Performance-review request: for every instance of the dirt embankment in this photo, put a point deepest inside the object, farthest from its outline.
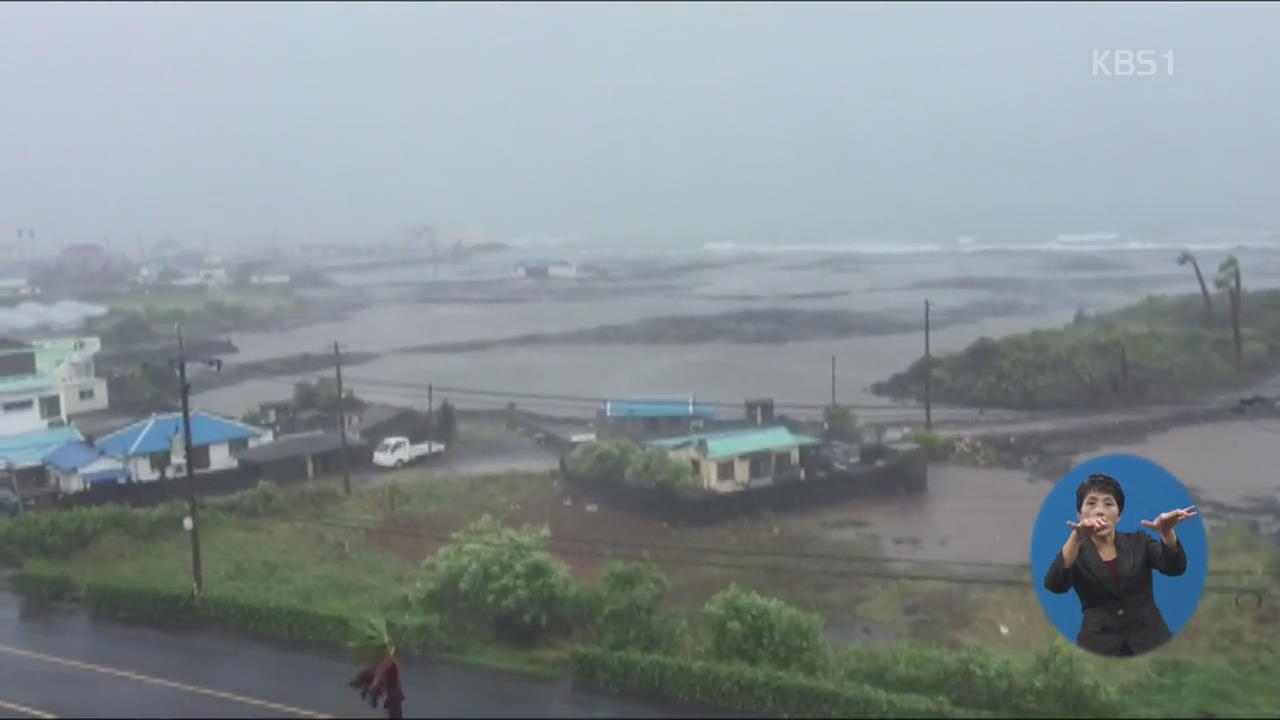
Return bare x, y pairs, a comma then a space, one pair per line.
764, 326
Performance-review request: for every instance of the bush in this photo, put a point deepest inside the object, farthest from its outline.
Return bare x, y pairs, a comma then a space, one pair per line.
757, 691
261, 500
501, 581
280, 621
43, 583
972, 678
842, 424
59, 533
748, 627
655, 468
631, 614
602, 461
934, 445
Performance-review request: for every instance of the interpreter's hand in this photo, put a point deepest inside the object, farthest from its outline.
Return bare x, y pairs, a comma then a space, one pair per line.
1089, 526
1167, 521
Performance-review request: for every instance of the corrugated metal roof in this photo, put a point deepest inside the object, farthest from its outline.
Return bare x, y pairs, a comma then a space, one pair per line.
30, 449
732, 443
156, 434
71, 456
685, 407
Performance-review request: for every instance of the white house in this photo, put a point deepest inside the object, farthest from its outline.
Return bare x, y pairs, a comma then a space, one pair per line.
152, 449
30, 400
69, 362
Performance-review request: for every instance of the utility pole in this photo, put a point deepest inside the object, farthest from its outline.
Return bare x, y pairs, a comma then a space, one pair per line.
833, 381
197, 573
928, 373
431, 406
342, 420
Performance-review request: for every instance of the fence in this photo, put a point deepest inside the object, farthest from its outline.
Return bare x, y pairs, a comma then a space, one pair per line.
902, 472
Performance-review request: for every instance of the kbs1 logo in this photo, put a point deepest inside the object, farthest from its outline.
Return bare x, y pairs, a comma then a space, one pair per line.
1132, 63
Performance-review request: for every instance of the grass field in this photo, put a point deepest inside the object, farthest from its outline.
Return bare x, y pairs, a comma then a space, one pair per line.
1223, 663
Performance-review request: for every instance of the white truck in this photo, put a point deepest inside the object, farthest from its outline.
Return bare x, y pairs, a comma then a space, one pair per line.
398, 451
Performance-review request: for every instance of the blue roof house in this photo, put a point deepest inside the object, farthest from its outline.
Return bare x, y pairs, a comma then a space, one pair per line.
653, 417
152, 449
77, 466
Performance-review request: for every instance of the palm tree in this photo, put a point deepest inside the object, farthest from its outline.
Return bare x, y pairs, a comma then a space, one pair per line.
1229, 280
1185, 258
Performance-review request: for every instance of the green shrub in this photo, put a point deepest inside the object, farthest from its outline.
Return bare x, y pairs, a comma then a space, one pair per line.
655, 468
631, 614
59, 533
602, 461
281, 621
748, 627
758, 691
43, 583
973, 678
261, 500
932, 443
502, 581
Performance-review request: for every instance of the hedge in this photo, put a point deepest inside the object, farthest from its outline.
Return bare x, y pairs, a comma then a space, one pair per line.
754, 690
973, 678
274, 620
41, 583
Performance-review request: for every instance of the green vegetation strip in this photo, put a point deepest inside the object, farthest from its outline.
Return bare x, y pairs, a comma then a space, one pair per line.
755, 690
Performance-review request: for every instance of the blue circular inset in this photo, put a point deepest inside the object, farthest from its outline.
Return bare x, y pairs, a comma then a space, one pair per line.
1149, 490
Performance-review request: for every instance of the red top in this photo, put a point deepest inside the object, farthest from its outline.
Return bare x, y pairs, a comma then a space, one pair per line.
1113, 567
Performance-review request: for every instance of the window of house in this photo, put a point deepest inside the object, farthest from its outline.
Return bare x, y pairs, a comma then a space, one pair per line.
724, 470
238, 445
160, 461
50, 407
17, 406
200, 457
759, 466
782, 461
697, 468
86, 394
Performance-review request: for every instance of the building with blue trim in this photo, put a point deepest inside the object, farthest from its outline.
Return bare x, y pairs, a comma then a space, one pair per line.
152, 449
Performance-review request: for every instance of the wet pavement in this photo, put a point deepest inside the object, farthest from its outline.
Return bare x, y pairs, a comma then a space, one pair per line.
57, 662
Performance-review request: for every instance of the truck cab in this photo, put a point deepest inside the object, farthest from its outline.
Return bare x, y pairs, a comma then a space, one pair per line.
398, 451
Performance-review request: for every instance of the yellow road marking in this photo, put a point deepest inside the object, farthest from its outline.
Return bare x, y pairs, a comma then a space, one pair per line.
25, 710
159, 681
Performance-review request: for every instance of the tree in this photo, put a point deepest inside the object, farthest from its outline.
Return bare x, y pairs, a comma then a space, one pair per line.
447, 424
500, 580
842, 423
747, 627
655, 468
1187, 258
1229, 280
631, 612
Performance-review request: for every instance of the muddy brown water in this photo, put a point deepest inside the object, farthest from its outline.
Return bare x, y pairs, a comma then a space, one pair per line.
986, 515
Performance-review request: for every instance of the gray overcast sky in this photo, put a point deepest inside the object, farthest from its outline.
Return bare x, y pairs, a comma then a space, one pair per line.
357, 120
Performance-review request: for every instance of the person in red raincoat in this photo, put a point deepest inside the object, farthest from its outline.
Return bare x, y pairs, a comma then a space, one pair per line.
381, 678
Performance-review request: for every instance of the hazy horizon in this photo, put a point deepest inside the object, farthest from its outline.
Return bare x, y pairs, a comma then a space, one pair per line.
331, 122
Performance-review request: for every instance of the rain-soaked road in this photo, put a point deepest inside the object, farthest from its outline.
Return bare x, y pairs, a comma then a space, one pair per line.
56, 662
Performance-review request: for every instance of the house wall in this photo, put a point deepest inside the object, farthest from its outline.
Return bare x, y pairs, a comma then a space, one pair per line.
27, 419
220, 459
94, 388
709, 469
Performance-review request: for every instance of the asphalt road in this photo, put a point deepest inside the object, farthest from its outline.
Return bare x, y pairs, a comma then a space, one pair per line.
57, 662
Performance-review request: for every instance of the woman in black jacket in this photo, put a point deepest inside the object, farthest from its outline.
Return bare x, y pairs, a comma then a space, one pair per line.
1111, 571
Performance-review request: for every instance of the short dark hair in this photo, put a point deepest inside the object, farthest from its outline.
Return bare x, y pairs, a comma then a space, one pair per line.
1099, 483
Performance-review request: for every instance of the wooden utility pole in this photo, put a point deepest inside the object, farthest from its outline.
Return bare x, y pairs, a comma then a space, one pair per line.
197, 572
928, 373
833, 381
342, 420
